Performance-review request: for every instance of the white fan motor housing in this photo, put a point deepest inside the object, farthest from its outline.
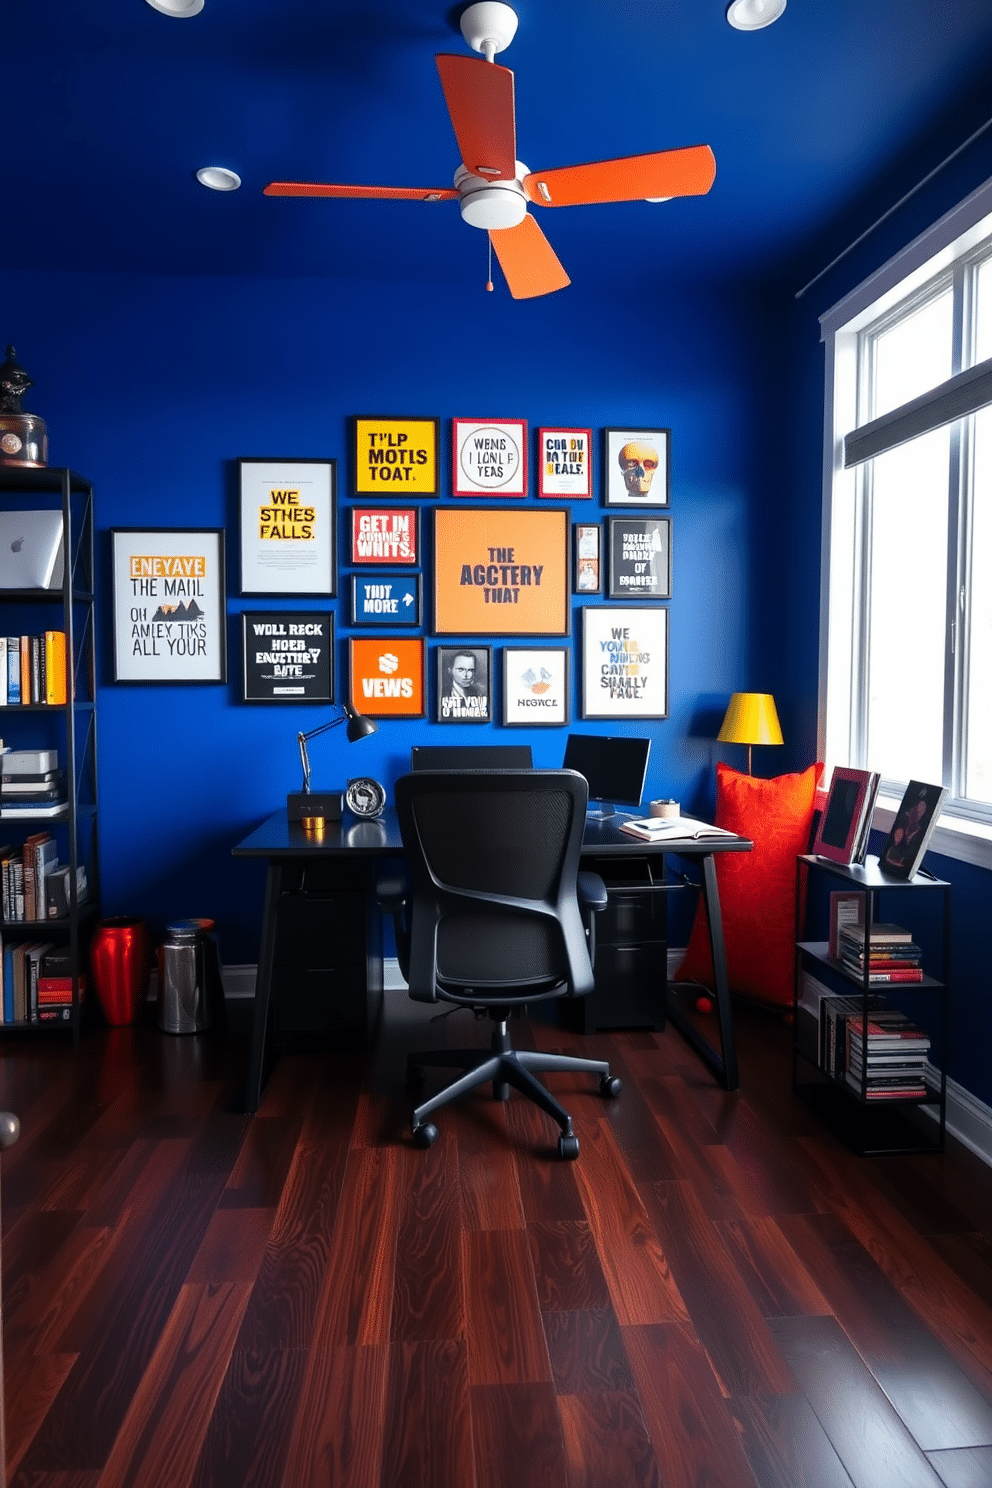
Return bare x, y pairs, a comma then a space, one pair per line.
489, 27
491, 204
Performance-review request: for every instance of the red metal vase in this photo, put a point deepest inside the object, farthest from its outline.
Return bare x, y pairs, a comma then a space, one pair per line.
119, 963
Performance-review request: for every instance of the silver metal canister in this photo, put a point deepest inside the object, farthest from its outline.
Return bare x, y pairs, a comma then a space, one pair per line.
188, 977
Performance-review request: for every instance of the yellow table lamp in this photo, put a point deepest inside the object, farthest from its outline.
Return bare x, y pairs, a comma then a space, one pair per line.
751, 719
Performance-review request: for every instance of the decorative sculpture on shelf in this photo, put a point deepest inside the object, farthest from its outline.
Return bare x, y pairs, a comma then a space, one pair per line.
23, 436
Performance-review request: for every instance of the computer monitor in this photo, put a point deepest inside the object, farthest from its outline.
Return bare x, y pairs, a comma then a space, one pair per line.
615, 768
471, 757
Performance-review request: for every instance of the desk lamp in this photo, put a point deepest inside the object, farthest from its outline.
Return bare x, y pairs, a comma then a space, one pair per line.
751, 719
313, 808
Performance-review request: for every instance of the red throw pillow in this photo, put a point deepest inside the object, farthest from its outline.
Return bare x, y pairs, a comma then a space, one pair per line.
757, 889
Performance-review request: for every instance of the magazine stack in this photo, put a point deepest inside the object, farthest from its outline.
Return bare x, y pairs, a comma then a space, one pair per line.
895, 1056
892, 954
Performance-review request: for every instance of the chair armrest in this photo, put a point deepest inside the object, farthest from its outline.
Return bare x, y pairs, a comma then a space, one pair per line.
592, 892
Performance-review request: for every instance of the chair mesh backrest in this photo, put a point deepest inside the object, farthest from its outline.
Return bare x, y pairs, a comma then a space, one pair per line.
493, 858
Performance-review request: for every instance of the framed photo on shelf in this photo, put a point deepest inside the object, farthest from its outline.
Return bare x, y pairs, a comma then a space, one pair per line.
464, 684
169, 604
489, 457
288, 656
386, 535
842, 834
912, 829
586, 546
387, 676
624, 662
386, 599
535, 686
564, 462
396, 457
288, 526
636, 466
640, 558
501, 572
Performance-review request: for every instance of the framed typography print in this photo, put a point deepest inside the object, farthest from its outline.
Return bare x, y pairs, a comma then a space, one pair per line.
287, 656
624, 662
385, 599
640, 558
385, 534
464, 684
288, 526
564, 462
387, 676
535, 686
168, 604
586, 540
636, 466
501, 572
489, 457
396, 457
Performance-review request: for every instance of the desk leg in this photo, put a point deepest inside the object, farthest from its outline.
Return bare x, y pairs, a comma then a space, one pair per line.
263, 989
724, 1063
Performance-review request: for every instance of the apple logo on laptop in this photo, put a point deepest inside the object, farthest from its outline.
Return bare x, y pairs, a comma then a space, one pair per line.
17, 545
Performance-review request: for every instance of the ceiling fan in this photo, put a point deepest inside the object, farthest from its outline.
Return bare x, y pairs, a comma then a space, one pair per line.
493, 188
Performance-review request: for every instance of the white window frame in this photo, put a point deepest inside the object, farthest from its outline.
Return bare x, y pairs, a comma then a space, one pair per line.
941, 251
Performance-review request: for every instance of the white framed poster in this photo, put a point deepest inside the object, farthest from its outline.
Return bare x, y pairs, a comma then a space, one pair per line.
535, 686
624, 662
489, 457
168, 604
636, 466
288, 526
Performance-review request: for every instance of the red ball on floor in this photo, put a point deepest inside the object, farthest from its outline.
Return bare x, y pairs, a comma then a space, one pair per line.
704, 1005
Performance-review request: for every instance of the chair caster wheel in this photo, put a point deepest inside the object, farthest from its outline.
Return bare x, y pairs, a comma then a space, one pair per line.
416, 1075
568, 1147
501, 1092
610, 1085
425, 1135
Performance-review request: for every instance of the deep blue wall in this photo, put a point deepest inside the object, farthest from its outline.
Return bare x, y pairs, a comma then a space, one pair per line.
152, 387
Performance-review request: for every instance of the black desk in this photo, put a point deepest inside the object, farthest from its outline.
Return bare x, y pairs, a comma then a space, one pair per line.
354, 846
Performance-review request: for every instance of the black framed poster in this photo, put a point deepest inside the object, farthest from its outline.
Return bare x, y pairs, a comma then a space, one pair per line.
640, 558
288, 656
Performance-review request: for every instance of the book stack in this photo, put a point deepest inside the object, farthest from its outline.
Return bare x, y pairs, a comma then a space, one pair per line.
31, 784
33, 668
894, 1053
36, 983
33, 884
892, 955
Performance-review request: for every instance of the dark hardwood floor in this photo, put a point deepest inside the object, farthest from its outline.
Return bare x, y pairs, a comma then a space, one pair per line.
717, 1293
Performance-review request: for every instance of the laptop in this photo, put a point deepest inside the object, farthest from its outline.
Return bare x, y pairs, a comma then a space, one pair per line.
31, 555
471, 757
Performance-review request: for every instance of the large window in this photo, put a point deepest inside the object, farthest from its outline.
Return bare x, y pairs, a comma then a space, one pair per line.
906, 655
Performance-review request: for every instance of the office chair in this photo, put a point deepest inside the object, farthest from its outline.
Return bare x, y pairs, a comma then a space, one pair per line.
496, 915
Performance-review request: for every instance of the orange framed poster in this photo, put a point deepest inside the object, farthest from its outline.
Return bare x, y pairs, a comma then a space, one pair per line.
387, 676
501, 572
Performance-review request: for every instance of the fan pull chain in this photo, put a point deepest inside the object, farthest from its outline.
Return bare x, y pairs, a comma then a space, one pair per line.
489, 282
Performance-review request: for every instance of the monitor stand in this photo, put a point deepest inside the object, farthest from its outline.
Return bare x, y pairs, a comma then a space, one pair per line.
601, 811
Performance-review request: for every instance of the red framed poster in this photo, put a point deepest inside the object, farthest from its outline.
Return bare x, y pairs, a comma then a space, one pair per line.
564, 462
385, 534
489, 457
387, 676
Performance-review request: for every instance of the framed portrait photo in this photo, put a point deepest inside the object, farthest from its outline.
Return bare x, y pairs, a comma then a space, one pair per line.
489, 457
912, 829
386, 535
586, 550
396, 457
287, 656
386, 599
535, 686
169, 605
387, 676
464, 684
624, 662
640, 558
636, 466
501, 572
288, 526
564, 462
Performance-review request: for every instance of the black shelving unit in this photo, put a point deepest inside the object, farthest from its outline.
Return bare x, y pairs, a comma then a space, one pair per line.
69, 727
872, 1128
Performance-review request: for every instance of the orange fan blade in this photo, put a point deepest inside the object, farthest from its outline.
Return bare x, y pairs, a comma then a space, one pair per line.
389, 193
528, 260
479, 95
688, 172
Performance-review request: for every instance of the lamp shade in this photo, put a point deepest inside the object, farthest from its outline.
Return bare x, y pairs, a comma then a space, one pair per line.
751, 719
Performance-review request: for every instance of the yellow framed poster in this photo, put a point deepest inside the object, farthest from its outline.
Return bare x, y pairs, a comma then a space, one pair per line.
396, 456
502, 572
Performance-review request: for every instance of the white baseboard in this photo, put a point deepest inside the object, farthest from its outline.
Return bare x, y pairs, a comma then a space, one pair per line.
968, 1118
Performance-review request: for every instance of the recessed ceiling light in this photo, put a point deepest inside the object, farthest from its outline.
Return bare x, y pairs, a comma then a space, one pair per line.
218, 178
753, 15
179, 9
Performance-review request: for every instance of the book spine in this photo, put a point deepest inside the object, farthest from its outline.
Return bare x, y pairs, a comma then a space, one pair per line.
25, 645
56, 690
13, 669
3, 671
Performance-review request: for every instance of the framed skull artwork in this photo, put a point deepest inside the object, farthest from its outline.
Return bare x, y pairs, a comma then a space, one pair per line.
636, 466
